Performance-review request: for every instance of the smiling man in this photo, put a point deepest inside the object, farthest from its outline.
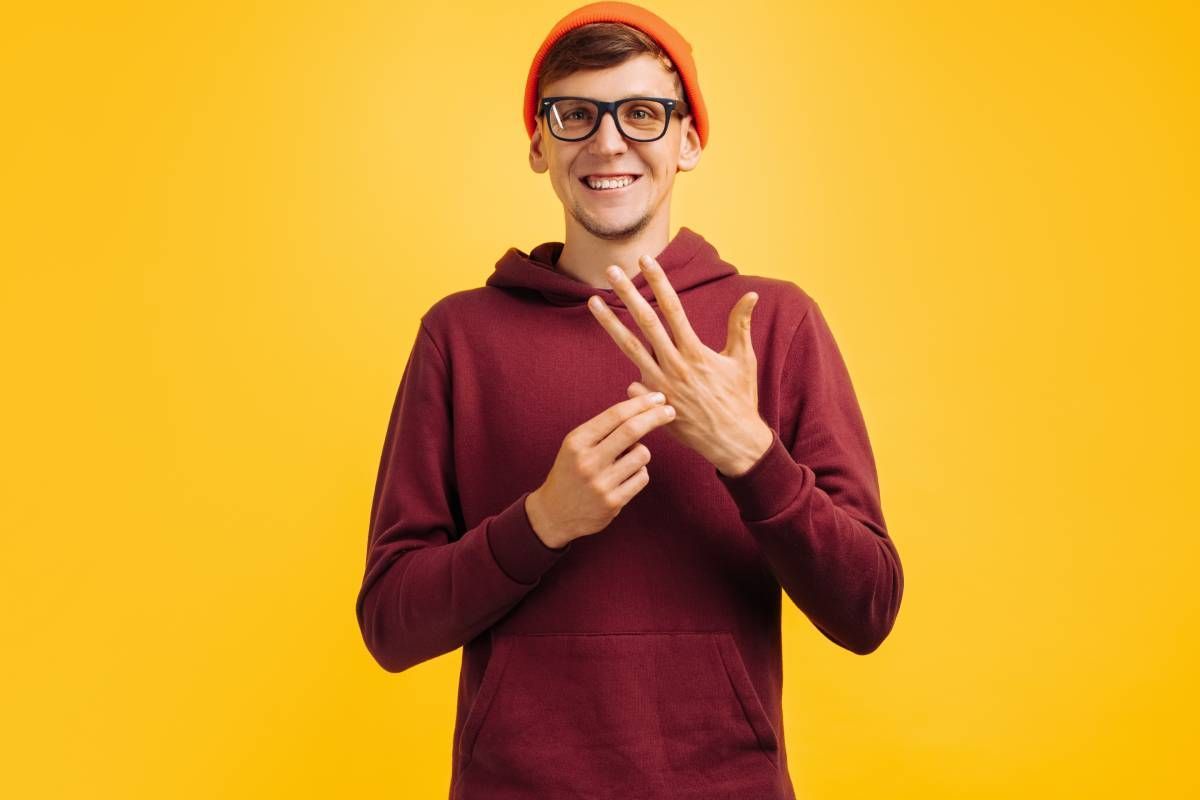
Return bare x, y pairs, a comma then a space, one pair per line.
613, 167
605, 467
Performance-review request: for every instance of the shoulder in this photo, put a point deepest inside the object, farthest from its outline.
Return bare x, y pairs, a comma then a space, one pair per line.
784, 301
452, 311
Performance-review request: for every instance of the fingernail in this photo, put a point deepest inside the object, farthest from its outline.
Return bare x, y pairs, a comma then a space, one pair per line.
669, 411
657, 397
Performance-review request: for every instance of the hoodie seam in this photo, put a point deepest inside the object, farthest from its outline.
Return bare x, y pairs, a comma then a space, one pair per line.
432, 341
796, 331
456, 512
785, 369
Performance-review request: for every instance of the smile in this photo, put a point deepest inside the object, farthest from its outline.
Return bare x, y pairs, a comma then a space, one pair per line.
610, 190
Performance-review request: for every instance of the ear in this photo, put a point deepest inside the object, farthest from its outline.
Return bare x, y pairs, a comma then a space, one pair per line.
538, 161
689, 145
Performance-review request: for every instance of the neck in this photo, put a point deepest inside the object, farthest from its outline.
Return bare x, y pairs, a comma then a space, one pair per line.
585, 256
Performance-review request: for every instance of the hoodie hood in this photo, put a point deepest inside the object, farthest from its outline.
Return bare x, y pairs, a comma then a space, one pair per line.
689, 260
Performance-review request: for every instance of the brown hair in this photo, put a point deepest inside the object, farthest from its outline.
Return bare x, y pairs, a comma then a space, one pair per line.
600, 45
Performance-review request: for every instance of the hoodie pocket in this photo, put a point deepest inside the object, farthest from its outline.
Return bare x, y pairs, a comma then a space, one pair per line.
619, 712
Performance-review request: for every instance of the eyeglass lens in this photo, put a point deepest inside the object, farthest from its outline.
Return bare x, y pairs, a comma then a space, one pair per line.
640, 120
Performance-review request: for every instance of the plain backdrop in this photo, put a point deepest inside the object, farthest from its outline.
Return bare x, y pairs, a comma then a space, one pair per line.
222, 222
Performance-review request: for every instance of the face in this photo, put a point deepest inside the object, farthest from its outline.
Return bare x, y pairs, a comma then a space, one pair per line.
616, 213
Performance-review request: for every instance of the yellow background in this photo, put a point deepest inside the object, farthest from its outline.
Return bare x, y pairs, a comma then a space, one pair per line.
223, 220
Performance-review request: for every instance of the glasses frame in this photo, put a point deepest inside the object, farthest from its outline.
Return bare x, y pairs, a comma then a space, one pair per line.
609, 107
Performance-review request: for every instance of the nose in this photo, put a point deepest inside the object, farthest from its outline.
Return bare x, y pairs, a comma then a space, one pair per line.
607, 139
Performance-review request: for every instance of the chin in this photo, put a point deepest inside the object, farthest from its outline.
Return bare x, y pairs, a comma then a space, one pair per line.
616, 227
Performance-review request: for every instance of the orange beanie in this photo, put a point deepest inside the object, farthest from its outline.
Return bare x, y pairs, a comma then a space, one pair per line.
676, 47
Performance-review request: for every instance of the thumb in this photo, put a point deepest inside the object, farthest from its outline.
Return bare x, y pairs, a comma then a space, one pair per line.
737, 341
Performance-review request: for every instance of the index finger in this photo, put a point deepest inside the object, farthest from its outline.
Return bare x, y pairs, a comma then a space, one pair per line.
686, 339
604, 423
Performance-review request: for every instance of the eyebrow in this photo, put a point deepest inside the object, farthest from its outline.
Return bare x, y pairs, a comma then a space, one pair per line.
635, 93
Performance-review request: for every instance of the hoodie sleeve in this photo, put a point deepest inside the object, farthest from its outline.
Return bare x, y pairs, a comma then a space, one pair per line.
429, 586
812, 503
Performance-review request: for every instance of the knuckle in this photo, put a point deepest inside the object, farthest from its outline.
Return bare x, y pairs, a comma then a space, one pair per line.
582, 467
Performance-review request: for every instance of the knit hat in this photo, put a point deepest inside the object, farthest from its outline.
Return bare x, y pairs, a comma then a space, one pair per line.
676, 47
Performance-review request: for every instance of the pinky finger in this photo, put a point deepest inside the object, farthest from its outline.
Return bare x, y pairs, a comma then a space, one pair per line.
632, 485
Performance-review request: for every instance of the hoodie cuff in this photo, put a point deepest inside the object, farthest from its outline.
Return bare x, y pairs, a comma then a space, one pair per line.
767, 487
516, 547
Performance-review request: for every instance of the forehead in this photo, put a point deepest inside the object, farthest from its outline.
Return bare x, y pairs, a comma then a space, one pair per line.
641, 76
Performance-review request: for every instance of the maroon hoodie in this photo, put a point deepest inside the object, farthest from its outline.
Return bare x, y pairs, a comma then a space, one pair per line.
642, 661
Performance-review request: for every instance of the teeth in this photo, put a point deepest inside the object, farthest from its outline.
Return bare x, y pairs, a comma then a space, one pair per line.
609, 183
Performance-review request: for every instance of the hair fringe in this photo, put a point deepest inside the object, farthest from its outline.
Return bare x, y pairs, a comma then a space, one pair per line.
600, 45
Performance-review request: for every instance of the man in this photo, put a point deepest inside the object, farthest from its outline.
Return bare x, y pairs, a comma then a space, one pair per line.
620, 616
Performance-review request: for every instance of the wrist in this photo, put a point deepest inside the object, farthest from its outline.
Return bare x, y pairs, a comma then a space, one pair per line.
537, 520
754, 446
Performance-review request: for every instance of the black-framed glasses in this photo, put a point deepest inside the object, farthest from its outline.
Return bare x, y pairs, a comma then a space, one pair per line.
642, 119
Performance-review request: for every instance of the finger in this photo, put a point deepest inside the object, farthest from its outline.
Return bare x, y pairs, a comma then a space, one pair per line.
624, 467
737, 340
638, 481
647, 319
686, 340
632, 430
601, 425
626, 339
636, 388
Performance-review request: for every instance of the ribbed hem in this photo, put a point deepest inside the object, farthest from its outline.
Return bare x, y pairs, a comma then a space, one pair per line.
516, 547
770, 485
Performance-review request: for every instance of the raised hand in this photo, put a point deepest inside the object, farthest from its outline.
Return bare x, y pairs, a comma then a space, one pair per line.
715, 395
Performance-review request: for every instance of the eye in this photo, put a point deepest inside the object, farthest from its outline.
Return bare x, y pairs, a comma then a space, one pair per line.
641, 112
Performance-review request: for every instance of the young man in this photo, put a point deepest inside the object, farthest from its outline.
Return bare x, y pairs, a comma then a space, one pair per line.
620, 616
